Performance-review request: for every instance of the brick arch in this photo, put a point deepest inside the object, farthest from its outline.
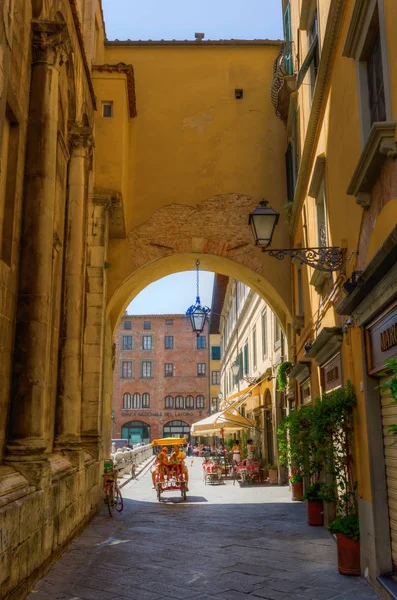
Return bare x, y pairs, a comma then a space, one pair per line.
216, 232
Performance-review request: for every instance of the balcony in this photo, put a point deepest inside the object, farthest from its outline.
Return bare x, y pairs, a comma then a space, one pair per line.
284, 81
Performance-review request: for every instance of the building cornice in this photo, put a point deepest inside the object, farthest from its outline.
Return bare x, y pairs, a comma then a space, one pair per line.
326, 345
193, 43
128, 70
76, 20
317, 110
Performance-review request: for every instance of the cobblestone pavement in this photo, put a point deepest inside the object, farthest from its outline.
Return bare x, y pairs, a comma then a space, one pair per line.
225, 543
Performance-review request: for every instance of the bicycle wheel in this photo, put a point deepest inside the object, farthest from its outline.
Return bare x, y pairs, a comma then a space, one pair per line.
109, 500
118, 500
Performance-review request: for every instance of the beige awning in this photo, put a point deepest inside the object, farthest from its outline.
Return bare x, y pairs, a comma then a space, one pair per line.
221, 420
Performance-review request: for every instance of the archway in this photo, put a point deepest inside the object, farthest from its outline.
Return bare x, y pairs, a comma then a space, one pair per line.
136, 432
176, 429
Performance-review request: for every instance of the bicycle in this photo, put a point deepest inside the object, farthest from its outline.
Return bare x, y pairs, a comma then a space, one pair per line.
113, 498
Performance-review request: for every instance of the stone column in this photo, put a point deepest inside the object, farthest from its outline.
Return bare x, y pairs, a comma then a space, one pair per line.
68, 409
100, 207
27, 432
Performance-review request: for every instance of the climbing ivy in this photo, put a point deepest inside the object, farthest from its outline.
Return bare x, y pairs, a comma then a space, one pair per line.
282, 379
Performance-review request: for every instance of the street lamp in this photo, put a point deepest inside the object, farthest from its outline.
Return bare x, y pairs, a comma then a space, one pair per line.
198, 314
263, 221
236, 368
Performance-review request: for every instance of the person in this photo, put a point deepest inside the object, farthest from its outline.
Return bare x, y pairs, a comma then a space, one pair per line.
180, 458
236, 452
127, 445
189, 449
251, 451
160, 465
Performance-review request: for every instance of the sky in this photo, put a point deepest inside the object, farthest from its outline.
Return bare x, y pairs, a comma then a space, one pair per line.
181, 19
173, 294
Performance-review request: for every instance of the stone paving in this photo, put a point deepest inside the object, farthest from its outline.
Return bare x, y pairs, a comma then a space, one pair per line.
227, 542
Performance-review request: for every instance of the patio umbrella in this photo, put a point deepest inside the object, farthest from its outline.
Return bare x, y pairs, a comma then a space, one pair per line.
221, 420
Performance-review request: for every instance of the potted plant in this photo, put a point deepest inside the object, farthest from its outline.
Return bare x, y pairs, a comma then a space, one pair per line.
296, 481
347, 531
315, 495
273, 474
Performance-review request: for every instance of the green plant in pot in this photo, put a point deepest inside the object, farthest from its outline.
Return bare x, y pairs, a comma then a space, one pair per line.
296, 482
273, 473
315, 494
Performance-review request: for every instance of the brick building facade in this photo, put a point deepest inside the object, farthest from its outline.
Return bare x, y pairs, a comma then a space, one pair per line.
161, 377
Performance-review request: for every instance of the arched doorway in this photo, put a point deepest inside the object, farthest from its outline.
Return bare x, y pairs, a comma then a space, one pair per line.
136, 432
176, 429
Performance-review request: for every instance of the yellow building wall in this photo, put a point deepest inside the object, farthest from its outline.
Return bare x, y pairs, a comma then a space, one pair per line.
215, 365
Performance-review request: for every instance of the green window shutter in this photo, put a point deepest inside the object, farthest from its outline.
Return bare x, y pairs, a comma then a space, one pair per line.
246, 366
307, 62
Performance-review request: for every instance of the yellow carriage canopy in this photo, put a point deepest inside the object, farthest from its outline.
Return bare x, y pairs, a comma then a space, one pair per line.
169, 442
221, 420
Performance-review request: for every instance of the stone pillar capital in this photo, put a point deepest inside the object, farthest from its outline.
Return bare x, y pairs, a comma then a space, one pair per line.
50, 43
80, 137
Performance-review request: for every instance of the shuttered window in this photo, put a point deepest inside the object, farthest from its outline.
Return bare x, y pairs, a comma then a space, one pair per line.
288, 55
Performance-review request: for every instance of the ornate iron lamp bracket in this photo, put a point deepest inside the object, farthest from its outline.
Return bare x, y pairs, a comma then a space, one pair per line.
328, 259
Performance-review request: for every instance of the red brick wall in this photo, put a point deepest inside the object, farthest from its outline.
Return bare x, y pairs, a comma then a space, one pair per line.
185, 356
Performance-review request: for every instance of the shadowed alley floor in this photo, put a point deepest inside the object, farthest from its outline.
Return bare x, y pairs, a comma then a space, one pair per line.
225, 543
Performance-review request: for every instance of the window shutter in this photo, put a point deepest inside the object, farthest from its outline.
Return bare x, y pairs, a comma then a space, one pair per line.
307, 62
288, 58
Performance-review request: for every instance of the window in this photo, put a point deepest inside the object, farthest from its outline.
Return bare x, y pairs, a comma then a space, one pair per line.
107, 110
216, 353
376, 88
136, 401
189, 402
146, 400
214, 404
127, 324
216, 378
313, 41
126, 369
264, 333
366, 42
127, 342
179, 402
169, 402
322, 234
246, 360
201, 342
168, 370
147, 342
169, 342
146, 369
200, 402
288, 56
312, 59
127, 401
169, 322
201, 369
147, 325
277, 332
254, 353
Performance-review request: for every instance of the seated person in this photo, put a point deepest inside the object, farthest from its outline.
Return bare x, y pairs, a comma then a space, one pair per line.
160, 465
180, 456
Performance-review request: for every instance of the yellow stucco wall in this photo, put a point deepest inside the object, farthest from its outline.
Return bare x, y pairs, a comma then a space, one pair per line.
192, 141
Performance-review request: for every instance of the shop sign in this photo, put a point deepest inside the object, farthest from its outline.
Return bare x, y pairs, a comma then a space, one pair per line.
381, 338
306, 392
331, 374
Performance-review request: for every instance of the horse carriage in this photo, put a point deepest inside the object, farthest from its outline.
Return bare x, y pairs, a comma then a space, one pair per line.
170, 475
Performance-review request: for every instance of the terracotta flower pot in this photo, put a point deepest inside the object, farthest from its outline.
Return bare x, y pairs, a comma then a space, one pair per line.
348, 555
315, 514
297, 491
273, 475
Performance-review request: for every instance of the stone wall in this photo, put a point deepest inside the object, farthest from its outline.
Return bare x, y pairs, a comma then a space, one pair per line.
51, 289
